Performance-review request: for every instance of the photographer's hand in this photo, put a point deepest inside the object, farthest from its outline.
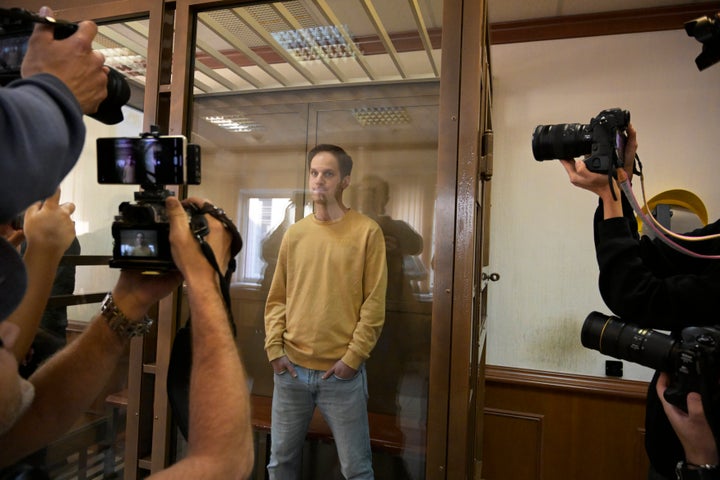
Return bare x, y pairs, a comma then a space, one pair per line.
186, 250
597, 183
72, 60
49, 231
692, 428
48, 227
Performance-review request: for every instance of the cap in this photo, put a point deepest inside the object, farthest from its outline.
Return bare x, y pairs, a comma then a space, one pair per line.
13, 279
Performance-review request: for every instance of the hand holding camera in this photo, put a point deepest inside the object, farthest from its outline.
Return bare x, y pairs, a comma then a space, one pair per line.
136, 292
72, 60
34, 44
692, 360
692, 426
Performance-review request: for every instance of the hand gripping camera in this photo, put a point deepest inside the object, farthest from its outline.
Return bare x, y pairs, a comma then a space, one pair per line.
141, 229
692, 360
16, 26
603, 139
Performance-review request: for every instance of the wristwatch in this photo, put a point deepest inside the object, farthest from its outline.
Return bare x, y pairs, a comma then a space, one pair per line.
689, 471
119, 323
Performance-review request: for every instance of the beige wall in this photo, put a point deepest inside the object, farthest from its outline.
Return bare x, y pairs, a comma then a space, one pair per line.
541, 241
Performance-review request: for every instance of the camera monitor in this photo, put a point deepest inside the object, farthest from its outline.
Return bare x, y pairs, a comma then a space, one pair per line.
12, 52
139, 243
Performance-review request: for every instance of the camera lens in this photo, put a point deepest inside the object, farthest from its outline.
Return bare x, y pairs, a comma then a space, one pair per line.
628, 342
565, 140
109, 111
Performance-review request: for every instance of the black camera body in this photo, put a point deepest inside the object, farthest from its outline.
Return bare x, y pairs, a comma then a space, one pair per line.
692, 360
603, 139
16, 26
706, 30
141, 229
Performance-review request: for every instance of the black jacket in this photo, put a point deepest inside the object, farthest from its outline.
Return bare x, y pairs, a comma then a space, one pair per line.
649, 284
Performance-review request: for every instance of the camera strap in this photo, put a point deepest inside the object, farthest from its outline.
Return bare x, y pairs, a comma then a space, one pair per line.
219, 215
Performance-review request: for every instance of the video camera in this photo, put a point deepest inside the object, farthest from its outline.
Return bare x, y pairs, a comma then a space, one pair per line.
16, 26
141, 229
706, 30
603, 139
692, 360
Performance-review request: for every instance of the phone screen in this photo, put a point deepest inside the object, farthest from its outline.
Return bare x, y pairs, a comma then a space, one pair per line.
141, 161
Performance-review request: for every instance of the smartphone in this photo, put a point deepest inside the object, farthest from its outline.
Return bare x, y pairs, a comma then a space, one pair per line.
141, 160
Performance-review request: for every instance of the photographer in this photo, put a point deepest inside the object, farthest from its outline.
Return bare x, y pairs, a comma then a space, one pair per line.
701, 452
651, 284
41, 114
220, 441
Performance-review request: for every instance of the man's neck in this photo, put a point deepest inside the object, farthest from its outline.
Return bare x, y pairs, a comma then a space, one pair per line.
330, 213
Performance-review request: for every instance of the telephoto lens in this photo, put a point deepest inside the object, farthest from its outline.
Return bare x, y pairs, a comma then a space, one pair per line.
626, 341
561, 141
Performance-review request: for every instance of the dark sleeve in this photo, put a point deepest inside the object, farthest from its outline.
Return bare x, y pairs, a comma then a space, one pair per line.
42, 134
648, 283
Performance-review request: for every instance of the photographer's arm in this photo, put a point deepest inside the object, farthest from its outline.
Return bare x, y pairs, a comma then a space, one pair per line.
49, 232
220, 443
68, 383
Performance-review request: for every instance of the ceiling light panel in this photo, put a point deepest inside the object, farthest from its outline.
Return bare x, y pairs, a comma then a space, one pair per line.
299, 43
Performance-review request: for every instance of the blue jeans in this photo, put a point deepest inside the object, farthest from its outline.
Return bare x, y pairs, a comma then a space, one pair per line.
343, 404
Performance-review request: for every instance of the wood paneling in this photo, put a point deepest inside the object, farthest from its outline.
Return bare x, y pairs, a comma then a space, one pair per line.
513, 456
551, 426
608, 23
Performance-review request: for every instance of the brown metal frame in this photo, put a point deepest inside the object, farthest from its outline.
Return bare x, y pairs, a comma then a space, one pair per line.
450, 445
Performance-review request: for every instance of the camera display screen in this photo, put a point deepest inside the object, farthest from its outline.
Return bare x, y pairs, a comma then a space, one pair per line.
12, 52
141, 161
138, 243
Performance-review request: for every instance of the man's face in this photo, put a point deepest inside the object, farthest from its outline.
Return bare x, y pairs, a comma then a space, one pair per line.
325, 183
16, 393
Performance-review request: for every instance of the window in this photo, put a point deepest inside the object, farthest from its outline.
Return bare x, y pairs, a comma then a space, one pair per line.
264, 218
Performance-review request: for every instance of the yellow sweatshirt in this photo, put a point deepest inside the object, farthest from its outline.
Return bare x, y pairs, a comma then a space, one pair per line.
327, 298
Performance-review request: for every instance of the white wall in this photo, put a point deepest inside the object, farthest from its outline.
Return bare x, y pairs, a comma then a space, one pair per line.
541, 240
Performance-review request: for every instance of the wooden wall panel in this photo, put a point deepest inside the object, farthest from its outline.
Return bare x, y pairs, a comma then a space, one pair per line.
564, 426
517, 455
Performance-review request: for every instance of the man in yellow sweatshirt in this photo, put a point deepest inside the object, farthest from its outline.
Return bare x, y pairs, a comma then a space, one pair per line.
324, 313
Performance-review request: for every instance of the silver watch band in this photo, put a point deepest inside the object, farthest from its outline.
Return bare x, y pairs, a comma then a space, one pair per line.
119, 323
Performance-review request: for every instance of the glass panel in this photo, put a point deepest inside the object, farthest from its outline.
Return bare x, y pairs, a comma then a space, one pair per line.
273, 80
